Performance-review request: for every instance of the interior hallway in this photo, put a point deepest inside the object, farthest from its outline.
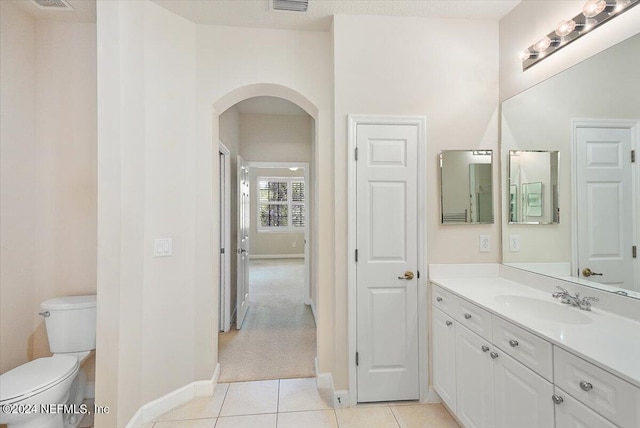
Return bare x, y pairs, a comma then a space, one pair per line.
278, 337
295, 403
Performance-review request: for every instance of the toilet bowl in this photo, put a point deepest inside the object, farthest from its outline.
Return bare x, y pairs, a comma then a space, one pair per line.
48, 392
29, 394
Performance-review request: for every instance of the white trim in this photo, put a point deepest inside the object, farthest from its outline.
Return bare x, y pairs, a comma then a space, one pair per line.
309, 302
423, 347
155, 408
634, 126
225, 295
308, 220
324, 383
276, 256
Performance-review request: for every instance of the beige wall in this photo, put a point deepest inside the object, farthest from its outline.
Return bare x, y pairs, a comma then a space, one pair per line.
155, 315
49, 146
446, 70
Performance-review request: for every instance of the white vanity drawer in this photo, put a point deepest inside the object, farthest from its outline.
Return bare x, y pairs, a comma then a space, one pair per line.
571, 414
474, 318
607, 394
443, 300
529, 349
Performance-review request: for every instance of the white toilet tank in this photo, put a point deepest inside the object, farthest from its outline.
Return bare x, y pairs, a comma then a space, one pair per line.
71, 323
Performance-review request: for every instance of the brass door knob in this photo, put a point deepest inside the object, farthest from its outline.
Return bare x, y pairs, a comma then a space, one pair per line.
588, 272
407, 275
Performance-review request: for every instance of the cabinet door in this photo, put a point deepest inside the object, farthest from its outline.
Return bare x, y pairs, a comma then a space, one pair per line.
444, 358
474, 380
570, 413
522, 398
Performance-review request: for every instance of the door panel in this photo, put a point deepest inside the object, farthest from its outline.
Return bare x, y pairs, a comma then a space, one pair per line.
243, 242
605, 205
387, 304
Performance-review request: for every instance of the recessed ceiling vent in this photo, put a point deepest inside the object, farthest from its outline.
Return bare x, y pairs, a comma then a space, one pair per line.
291, 5
53, 4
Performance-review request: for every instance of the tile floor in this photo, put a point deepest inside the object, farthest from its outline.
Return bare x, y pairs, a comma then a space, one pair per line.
295, 403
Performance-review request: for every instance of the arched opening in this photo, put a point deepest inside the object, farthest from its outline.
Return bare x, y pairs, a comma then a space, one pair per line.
267, 118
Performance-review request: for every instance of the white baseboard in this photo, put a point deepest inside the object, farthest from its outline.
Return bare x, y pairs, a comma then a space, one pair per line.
276, 256
309, 302
173, 399
432, 396
324, 382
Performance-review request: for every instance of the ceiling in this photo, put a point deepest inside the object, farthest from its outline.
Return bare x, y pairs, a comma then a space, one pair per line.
257, 13
269, 105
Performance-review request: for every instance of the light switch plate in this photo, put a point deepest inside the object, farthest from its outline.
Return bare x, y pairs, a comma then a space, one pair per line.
485, 244
162, 247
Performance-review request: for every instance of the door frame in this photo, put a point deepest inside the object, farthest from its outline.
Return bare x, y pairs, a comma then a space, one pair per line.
634, 126
225, 290
420, 122
305, 166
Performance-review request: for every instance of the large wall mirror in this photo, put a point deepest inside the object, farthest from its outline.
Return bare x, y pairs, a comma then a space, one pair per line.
586, 122
466, 187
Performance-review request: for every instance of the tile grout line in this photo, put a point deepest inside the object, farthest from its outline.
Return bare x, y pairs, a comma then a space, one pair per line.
223, 400
394, 416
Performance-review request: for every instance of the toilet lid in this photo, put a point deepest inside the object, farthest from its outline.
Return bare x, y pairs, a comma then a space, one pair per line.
35, 376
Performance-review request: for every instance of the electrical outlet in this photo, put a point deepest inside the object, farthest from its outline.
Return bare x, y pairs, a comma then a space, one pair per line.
514, 243
485, 245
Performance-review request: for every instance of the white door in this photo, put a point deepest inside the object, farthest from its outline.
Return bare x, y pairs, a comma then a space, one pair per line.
243, 242
605, 205
223, 251
522, 398
474, 380
444, 358
387, 248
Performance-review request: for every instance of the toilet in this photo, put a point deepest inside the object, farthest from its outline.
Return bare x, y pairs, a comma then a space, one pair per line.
29, 393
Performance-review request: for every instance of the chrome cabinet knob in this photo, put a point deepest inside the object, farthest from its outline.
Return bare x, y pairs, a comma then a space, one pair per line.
467, 316
485, 348
494, 355
513, 343
449, 323
585, 386
438, 299
557, 399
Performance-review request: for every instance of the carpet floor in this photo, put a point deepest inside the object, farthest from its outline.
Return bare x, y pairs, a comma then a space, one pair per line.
278, 337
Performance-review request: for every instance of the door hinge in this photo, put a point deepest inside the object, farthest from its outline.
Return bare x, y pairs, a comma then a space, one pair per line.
221, 250
356, 256
357, 359
356, 153
634, 252
633, 156
418, 274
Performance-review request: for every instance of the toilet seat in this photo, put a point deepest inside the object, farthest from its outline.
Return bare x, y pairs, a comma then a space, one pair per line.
36, 376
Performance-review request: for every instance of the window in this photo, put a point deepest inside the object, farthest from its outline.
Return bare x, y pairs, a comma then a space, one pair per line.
281, 204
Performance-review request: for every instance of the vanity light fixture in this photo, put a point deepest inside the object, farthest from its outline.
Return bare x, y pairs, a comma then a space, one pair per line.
594, 13
482, 152
293, 168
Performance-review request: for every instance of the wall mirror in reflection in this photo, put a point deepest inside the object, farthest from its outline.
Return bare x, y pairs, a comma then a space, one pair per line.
533, 187
466, 187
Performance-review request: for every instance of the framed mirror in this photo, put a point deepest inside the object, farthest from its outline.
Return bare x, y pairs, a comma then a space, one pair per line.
533, 187
591, 114
466, 187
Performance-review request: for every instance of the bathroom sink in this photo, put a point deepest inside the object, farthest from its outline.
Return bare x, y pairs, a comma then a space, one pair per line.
548, 310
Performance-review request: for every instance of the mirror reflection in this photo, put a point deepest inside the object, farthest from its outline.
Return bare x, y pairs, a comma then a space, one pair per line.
466, 187
591, 114
533, 187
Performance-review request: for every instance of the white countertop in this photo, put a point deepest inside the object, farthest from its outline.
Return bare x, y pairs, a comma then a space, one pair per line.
608, 340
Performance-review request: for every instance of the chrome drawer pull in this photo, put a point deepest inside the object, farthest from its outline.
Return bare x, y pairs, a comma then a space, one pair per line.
467, 316
557, 399
513, 343
494, 355
448, 323
485, 348
438, 299
586, 386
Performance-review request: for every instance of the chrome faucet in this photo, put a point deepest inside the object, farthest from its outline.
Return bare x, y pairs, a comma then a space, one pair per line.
575, 301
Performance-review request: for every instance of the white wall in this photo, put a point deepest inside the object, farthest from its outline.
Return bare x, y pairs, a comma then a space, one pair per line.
49, 158
444, 69
156, 316
18, 183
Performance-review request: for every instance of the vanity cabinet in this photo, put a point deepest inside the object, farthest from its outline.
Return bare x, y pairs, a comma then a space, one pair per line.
444, 358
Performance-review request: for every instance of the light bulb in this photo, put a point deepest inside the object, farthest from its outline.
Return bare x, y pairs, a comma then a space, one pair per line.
566, 27
621, 4
525, 54
593, 8
542, 44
